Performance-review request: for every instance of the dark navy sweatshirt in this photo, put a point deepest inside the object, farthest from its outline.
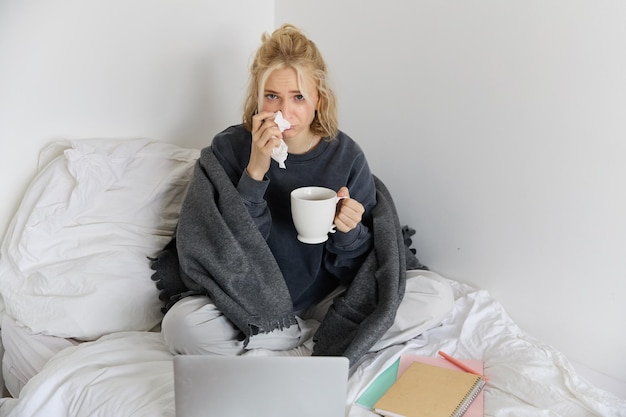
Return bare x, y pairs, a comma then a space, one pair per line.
310, 271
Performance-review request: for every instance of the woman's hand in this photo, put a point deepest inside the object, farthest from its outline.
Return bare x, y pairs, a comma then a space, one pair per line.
265, 137
349, 211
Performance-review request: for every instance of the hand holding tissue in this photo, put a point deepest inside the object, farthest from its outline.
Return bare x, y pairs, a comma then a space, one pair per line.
279, 154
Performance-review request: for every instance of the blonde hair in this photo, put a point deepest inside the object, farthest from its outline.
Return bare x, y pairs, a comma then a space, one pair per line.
288, 47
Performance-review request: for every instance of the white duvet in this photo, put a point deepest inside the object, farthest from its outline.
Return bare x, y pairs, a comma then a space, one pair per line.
74, 260
130, 373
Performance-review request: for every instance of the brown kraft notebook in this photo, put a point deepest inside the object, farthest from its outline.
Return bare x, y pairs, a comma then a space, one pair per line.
430, 391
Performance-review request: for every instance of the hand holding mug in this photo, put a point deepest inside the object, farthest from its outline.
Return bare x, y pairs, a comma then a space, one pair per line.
349, 211
317, 211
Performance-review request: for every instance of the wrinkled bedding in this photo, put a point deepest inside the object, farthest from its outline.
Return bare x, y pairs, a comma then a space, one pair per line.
131, 374
79, 240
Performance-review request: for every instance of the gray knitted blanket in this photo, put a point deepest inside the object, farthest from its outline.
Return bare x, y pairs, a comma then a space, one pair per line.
218, 251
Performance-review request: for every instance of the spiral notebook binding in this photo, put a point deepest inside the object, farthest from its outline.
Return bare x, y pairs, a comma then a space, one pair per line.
464, 405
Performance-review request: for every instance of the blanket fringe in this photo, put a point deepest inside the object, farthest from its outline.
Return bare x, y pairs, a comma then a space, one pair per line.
265, 325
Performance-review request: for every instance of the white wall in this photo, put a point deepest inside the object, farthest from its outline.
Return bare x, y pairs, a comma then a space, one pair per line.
170, 70
500, 127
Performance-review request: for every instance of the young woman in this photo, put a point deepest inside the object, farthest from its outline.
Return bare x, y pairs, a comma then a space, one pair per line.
269, 290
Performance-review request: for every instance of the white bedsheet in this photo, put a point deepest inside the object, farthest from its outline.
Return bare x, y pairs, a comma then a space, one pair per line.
130, 373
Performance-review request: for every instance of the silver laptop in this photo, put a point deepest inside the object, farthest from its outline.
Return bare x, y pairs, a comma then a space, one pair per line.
259, 386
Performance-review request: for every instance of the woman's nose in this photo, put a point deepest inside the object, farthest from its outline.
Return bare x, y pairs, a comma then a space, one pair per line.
285, 108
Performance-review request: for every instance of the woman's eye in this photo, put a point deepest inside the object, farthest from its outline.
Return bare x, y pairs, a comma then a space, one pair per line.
271, 96
299, 97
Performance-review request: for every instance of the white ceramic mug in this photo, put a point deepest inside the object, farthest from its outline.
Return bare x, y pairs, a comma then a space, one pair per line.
313, 212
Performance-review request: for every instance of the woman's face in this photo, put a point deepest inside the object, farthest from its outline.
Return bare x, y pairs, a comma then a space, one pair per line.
283, 93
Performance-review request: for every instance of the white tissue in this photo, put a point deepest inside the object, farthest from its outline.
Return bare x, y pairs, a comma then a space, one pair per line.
281, 122
279, 154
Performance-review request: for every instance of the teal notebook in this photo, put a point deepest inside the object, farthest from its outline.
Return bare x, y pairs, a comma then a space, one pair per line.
379, 386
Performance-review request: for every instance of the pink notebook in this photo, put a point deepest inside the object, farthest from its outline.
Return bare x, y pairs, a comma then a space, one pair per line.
477, 407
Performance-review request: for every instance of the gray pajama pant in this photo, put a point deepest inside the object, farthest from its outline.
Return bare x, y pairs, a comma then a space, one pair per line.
194, 325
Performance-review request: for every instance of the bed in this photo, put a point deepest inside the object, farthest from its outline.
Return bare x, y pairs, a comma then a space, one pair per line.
80, 324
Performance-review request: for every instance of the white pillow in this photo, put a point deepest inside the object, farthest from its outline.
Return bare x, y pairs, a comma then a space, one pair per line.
74, 261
